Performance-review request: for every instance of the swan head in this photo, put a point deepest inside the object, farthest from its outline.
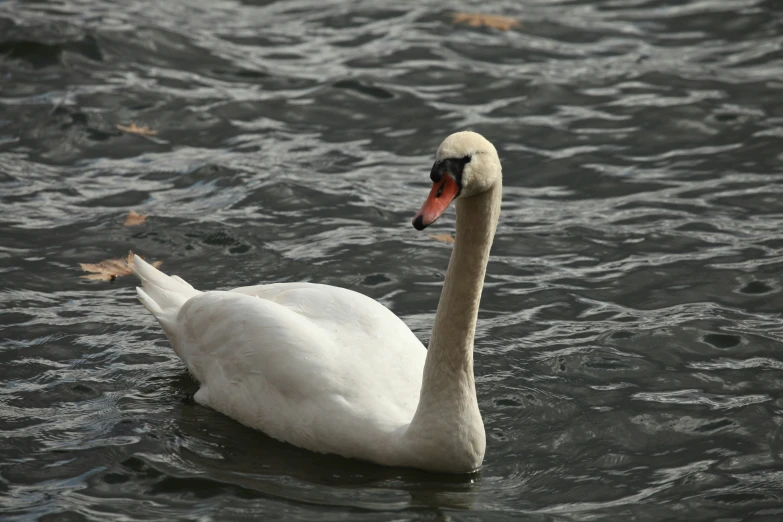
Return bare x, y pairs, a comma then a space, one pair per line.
466, 165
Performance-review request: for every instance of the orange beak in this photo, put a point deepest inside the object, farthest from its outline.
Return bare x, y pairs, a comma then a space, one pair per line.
443, 192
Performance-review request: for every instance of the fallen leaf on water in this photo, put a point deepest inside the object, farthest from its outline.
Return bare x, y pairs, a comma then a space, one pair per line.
110, 269
138, 131
134, 219
443, 238
503, 23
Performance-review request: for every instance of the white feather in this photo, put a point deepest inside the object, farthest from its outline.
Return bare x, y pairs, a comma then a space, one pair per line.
334, 371
321, 367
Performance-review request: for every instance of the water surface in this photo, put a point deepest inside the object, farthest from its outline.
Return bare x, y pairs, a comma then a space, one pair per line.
628, 353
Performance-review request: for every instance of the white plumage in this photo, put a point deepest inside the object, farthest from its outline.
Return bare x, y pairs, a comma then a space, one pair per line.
318, 366
334, 371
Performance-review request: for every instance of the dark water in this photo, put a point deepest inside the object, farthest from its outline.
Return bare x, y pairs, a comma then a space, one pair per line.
630, 347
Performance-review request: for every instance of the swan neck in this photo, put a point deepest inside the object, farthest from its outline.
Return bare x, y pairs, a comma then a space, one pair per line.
455, 320
448, 407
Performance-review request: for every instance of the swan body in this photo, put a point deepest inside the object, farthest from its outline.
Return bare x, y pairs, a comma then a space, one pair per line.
334, 371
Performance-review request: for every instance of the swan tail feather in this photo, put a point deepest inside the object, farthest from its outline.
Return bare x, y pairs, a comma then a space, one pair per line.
161, 294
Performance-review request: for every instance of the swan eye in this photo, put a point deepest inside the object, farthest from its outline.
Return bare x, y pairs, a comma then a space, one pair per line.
452, 166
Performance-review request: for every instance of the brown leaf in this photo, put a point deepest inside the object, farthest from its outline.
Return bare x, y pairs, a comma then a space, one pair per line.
443, 238
503, 23
110, 269
138, 131
134, 219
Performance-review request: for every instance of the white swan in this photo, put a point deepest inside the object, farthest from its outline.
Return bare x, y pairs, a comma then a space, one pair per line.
334, 371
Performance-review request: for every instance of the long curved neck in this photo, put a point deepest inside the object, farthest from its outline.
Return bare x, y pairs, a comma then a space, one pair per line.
450, 354
447, 404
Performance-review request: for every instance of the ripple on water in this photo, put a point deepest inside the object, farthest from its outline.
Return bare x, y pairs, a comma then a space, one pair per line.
628, 348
